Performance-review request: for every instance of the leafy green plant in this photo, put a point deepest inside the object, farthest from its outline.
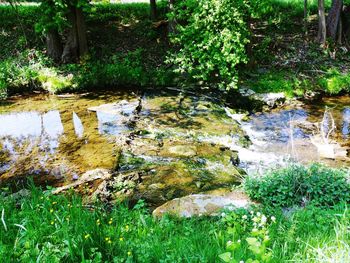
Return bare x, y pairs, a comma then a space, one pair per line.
250, 236
299, 185
212, 38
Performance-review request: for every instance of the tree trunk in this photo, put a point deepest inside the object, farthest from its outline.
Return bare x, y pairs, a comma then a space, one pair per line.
76, 43
346, 23
305, 17
70, 51
54, 45
334, 19
81, 30
153, 6
172, 22
322, 31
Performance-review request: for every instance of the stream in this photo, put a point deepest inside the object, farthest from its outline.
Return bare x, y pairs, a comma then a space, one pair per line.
159, 147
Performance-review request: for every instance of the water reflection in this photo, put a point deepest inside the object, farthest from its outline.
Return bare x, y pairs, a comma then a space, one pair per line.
278, 126
110, 124
346, 122
37, 140
78, 125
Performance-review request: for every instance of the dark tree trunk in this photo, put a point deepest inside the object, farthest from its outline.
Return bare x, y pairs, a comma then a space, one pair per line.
346, 22
70, 51
322, 30
153, 6
54, 45
334, 20
76, 43
81, 30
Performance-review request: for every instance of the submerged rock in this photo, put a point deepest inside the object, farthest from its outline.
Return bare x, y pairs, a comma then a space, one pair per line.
123, 107
183, 150
202, 204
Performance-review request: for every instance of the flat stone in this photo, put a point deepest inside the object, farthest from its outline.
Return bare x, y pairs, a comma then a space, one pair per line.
202, 204
125, 108
183, 150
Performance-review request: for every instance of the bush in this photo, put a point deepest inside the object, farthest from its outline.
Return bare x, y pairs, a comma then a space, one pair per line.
212, 38
298, 185
31, 70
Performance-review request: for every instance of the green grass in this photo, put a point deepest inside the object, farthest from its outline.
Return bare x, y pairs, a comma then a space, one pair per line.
59, 228
62, 229
277, 81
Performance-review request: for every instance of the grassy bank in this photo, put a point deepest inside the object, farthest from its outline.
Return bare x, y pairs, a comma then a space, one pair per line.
127, 49
288, 57
38, 226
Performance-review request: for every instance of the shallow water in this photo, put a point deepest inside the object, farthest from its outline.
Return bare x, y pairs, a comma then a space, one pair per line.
285, 134
58, 138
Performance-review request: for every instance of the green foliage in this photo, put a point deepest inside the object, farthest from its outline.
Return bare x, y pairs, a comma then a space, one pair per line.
34, 71
122, 70
57, 228
297, 185
31, 70
277, 81
138, 63
312, 234
62, 229
105, 12
334, 82
250, 236
212, 38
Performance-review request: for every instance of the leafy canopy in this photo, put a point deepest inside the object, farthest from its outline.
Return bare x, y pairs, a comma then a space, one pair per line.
212, 36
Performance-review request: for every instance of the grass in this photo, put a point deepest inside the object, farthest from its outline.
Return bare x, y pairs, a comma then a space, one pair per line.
314, 235
61, 228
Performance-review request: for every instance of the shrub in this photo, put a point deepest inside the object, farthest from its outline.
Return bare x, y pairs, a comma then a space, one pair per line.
250, 238
212, 38
298, 185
